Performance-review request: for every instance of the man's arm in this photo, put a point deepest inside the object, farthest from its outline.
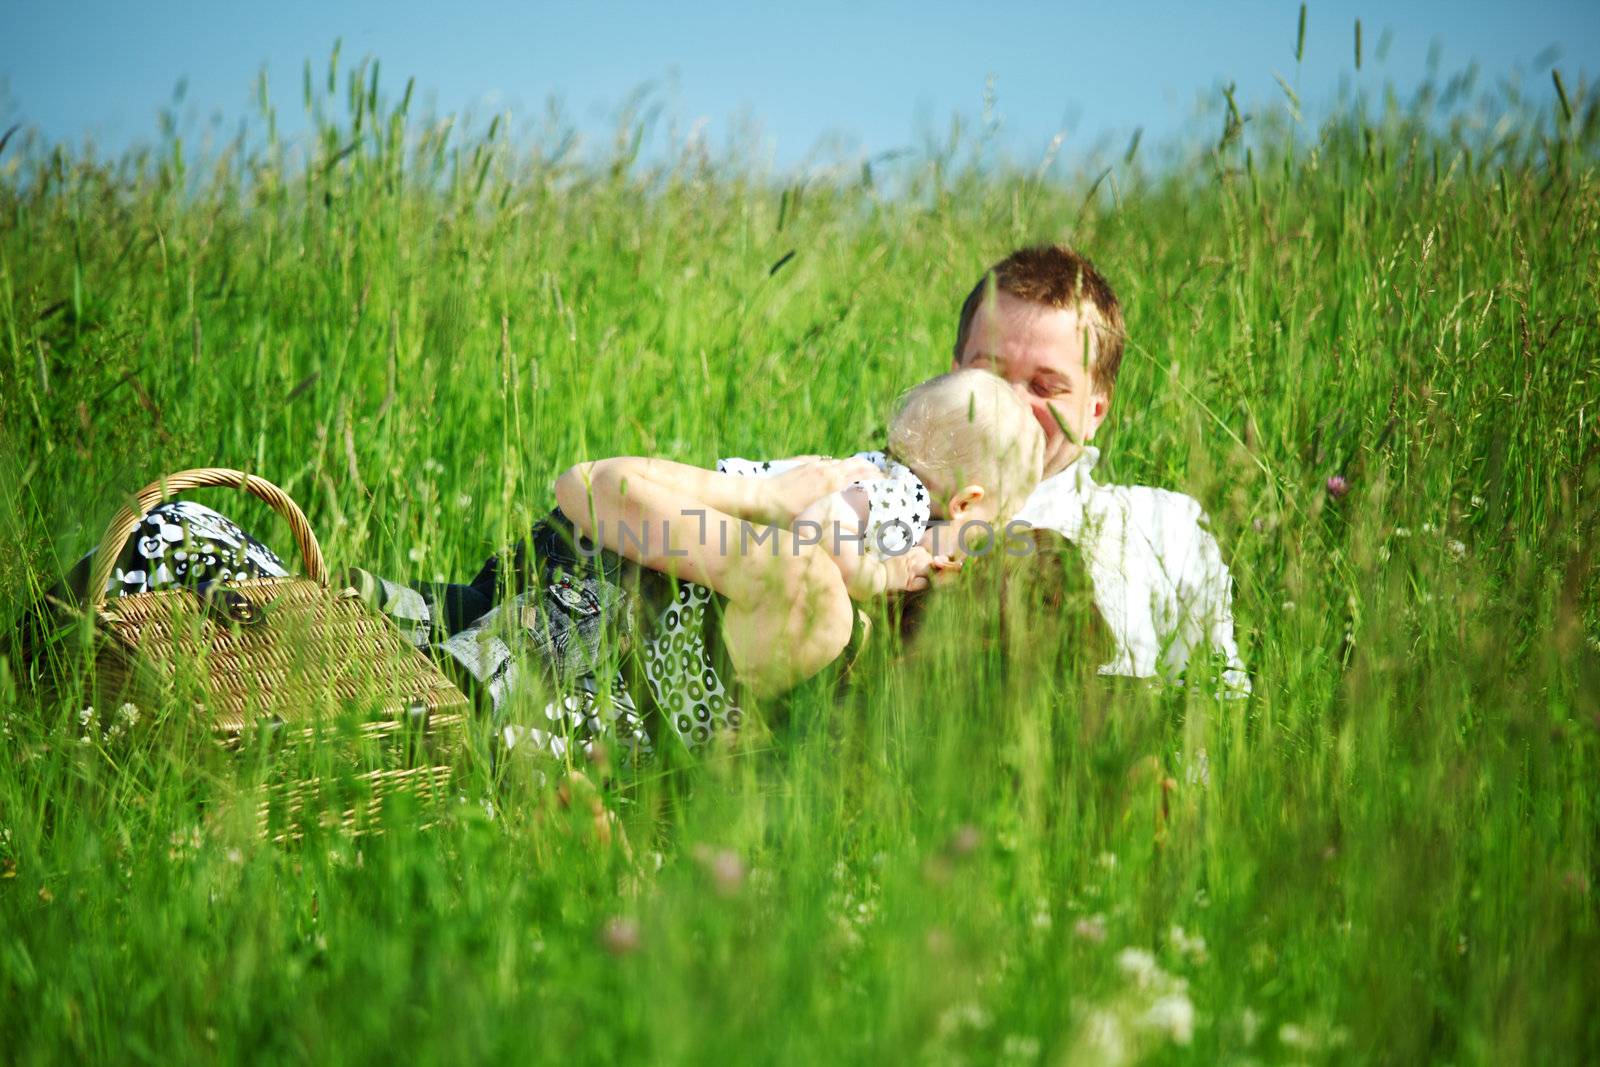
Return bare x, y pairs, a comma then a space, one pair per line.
1205, 589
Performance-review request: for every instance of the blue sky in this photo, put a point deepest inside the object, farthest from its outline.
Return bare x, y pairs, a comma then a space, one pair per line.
818, 80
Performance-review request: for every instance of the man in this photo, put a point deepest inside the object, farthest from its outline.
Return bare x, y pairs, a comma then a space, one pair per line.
1046, 321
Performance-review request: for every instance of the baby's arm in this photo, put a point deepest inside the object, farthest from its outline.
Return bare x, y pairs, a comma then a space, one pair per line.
841, 521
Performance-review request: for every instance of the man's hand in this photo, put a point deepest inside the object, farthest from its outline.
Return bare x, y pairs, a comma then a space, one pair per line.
786, 495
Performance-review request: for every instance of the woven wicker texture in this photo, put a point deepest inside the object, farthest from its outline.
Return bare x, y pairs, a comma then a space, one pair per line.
290, 807
309, 652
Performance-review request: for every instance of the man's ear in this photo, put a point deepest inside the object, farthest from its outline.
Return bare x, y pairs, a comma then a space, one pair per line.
964, 500
1099, 407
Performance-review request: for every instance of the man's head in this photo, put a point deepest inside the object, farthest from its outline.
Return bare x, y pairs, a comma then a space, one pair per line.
1046, 321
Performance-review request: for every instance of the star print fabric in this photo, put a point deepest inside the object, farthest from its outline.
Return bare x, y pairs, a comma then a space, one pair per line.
899, 505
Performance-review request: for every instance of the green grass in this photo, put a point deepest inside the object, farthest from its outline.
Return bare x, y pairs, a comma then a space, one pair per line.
413, 328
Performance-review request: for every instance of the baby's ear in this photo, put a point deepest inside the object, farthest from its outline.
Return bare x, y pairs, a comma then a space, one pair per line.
965, 499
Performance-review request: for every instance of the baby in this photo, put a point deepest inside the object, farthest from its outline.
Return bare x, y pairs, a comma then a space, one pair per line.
963, 449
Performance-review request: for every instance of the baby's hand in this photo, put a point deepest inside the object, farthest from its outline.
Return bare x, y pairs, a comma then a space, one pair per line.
903, 573
907, 572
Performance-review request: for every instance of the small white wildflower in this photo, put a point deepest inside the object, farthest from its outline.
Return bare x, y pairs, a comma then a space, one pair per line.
1457, 549
1185, 944
1477, 501
1296, 1037
1103, 1039
1020, 1047
966, 1016
1139, 965
432, 466
1172, 1015
129, 714
116, 731
235, 856
1427, 527
1402, 532
86, 716
463, 501
417, 553
1107, 860
1288, 607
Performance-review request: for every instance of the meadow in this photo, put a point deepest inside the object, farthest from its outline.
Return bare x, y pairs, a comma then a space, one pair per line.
1369, 345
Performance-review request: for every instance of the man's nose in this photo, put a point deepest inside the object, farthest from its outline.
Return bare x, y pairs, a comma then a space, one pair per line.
1047, 420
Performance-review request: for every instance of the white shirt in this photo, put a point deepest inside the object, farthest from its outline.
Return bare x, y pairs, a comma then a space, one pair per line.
1158, 575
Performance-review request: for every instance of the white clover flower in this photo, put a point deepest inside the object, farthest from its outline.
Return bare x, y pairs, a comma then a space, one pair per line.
1103, 1038
128, 714
1139, 965
1185, 944
1457, 549
1173, 1016
86, 716
1297, 1037
1020, 1047
965, 1016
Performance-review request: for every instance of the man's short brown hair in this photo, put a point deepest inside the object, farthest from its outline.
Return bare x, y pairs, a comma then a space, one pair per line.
1056, 277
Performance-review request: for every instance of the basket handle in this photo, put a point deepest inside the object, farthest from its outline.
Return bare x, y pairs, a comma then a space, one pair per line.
127, 521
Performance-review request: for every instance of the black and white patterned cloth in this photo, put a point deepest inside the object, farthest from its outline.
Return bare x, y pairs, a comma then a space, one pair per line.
899, 505
181, 543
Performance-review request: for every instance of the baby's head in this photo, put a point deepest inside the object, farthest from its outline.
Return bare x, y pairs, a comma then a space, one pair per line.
973, 442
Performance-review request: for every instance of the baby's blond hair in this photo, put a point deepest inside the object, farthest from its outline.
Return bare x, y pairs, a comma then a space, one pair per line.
969, 428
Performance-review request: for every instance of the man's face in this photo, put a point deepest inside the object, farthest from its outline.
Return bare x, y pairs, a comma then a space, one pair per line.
1041, 352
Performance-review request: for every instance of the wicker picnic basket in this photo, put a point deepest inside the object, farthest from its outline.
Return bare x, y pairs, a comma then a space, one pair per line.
289, 659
